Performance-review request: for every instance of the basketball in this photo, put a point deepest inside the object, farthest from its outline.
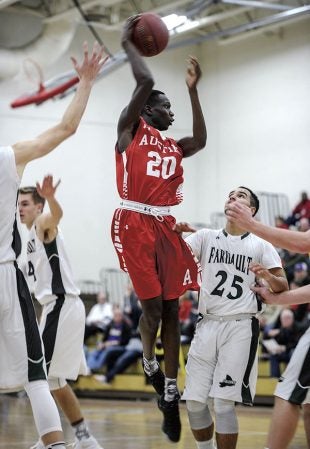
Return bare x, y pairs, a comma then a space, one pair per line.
150, 34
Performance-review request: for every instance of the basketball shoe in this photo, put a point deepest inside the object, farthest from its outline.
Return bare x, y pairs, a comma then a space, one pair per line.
157, 380
171, 424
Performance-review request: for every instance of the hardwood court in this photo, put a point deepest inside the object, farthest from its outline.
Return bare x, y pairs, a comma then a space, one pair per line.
119, 424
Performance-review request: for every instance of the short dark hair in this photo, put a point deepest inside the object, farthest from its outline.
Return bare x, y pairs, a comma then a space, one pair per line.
37, 199
254, 201
152, 99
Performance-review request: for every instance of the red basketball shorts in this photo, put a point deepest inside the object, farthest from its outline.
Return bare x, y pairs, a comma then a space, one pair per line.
157, 259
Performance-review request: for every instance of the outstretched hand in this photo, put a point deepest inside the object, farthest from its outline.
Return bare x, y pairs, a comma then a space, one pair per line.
193, 74
266, 295
47, 190
91, 65
240, 214
183, 227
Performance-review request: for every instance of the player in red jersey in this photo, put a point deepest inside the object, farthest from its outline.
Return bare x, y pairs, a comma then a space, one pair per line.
149, 181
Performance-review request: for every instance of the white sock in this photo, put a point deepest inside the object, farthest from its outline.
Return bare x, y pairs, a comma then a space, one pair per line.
81, 430
205, 444
150, 365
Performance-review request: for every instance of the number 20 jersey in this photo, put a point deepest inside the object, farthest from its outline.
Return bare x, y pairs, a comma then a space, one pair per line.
150, 170
226, 278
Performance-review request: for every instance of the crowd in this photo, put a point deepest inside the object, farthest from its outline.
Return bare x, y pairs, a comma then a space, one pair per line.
112, 340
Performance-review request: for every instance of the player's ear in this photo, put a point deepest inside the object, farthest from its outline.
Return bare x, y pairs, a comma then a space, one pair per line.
147, 109
253, 210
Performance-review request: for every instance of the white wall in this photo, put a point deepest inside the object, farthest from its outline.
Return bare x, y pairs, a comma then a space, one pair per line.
257, 99
255, 95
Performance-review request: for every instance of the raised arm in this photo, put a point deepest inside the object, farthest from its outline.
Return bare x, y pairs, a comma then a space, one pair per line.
197, 141
40, 146
129, 117
46, 224
281, 238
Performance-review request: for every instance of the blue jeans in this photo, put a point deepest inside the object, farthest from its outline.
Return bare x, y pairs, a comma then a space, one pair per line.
276, 359
100, 357
125, 359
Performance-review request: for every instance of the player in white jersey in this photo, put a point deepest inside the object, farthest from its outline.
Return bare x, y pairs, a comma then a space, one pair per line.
62, 323
293, 389
21, 356
222, 360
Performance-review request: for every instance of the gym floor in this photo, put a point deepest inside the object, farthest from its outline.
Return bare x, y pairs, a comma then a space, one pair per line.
119, 424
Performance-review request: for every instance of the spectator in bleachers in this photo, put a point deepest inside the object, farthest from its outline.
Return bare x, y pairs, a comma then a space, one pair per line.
280, 222
301, 278
263, 323
266, 321
99, 317
301, 210
284, 334
302, 314
304, 224
301, 275
289, 260
132, 306
188, 313
117, 335
124, 356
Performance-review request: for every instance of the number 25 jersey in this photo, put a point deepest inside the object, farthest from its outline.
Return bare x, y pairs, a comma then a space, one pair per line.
226, 277
149, 171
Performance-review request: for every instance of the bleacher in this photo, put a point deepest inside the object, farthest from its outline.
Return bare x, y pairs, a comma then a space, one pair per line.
133, 383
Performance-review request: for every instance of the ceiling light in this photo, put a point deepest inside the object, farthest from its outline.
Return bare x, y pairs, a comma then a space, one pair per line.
173, 21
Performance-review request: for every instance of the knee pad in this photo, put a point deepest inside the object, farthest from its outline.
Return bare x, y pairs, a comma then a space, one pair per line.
55, 383
44, 409
225, 416
199, 415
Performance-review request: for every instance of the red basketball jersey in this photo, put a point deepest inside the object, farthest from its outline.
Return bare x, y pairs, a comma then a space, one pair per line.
149, 171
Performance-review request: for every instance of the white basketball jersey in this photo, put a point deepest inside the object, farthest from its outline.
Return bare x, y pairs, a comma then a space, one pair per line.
226, 278
48, 263
10, 243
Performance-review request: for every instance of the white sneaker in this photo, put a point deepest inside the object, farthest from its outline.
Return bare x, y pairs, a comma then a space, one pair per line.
38, 445
101, 378
89, 443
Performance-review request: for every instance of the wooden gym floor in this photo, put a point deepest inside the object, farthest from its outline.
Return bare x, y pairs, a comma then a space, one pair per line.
119, 424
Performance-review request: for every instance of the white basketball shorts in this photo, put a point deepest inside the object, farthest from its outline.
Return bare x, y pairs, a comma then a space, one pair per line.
62, 327
222, 361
